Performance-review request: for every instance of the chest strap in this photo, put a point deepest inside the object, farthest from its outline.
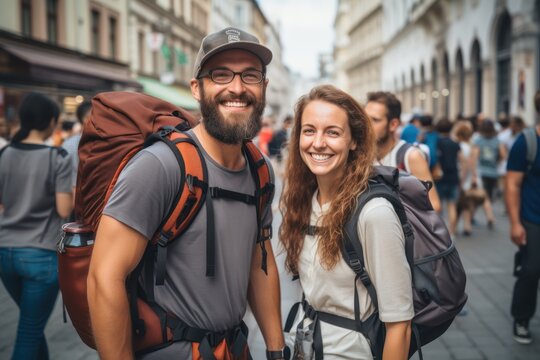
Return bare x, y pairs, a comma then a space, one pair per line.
217, 193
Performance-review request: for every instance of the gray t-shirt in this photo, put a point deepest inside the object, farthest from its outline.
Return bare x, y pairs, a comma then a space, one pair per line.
30, 176
143, 195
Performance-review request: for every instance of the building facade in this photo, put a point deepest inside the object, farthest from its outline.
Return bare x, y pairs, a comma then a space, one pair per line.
469, 57
164, 38
358, 47
65, 49
444, 57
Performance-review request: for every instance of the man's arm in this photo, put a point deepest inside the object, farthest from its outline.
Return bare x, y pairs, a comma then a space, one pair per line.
512, 197
397, 341
265, 299
420, 168
117, 251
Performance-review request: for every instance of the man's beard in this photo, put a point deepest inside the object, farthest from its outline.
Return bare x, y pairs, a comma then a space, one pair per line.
238, 127
385, 138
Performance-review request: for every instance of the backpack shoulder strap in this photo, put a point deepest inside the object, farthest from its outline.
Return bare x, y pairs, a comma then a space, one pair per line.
189, 198
352, 247
531, 142
400, 155
260, 170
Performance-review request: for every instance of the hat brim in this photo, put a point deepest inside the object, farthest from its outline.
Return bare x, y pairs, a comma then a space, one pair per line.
261, 51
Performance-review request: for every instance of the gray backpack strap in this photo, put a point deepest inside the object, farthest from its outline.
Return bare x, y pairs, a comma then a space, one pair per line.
400, 155
531, 142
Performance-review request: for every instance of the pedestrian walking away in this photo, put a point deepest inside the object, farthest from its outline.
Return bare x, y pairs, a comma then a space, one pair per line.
35, 191
522, 195
207, 298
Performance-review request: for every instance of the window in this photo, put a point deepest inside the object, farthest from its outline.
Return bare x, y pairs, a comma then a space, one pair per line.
112, 37
52, 21
422, 96
446, 91
504, 44
435, 88
26, 17
477, 71
413, 100
95, 17
461, 82
141, 51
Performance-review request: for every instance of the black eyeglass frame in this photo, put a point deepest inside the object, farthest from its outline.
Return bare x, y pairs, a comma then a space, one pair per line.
209, 73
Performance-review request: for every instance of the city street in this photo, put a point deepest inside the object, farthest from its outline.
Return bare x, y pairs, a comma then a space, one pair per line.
485, 332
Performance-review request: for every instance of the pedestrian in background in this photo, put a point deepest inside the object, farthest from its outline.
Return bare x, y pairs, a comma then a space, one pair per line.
331, 157
450, 160
522, 197
384, 110
279, 139
35, 191
472, 194
71, 144
488, 152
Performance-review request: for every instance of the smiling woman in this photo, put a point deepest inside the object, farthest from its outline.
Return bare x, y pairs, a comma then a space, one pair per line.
325, 142
331, 156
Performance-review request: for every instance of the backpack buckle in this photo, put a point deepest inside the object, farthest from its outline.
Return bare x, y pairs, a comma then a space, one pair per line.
189, 183
364, 278
163, 239
407, 230
166, 130
266, 233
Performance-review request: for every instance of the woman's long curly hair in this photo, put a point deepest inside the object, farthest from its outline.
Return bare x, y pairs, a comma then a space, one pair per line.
300, 183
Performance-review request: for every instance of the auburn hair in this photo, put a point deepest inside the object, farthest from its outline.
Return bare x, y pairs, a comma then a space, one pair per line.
300, 183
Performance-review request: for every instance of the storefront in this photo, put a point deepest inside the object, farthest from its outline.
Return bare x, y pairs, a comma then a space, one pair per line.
65, 75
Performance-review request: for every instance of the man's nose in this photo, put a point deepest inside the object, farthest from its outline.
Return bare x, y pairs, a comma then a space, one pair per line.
237, 85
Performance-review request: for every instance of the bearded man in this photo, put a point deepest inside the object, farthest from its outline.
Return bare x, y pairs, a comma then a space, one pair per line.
230, 84
384, 109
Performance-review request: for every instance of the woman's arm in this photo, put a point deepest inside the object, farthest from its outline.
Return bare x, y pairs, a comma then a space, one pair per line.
398, 339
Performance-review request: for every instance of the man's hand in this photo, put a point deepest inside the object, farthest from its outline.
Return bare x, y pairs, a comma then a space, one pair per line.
517, 234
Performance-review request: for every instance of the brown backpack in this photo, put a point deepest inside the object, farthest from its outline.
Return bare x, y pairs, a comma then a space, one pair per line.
120, 125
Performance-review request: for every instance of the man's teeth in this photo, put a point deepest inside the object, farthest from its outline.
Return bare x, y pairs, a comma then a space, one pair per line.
235, 104
320, 157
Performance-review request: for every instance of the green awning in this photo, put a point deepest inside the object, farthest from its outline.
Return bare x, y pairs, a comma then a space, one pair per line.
173, 94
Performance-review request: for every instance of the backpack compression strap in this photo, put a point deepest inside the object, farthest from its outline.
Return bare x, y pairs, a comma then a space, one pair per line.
263, 195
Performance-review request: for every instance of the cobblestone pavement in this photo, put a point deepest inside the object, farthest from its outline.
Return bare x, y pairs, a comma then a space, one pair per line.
483, 333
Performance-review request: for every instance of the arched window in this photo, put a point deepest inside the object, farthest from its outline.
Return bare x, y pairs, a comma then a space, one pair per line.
504, 43
413, 83
445, 91
460, 75
477, 73
422, 96
435, 87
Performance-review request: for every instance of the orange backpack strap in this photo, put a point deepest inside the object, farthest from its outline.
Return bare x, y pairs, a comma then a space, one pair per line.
190, 197
260, 171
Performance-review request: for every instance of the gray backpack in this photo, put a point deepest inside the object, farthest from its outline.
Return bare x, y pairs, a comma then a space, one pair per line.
438, 276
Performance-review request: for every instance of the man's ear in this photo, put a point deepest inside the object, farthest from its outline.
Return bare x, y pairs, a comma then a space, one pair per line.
195, 90
394, 124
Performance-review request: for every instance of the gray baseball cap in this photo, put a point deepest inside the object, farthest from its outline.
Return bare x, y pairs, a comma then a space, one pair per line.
227, 39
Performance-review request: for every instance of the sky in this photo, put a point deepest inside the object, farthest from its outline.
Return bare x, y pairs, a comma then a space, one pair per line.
306, 28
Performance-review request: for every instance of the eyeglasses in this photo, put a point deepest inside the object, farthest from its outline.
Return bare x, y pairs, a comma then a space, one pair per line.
225, 76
